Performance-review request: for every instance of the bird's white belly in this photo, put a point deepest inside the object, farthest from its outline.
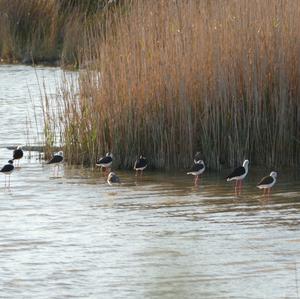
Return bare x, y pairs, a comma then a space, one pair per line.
241, 177
141, 168
197, 172
266, 186
106, 165
8, 172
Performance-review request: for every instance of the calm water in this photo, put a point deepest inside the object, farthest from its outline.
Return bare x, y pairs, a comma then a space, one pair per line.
155, 237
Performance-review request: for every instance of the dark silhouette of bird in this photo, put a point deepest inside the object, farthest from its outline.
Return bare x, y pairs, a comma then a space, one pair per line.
140, 164
7, 169
238, 175
197, 169
18, 154
57, 159
267, 182
105, 162
113, 179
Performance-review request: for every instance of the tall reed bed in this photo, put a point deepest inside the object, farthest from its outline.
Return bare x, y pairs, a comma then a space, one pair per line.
169, 78
47, 31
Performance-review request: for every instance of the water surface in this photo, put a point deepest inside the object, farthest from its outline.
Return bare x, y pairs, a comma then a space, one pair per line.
152, 237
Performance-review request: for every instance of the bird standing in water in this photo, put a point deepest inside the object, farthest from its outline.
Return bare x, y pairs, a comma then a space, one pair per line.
140, 164
7, 169
57, 159
197, 169
113, 179
17, 155
267, 183
105, 162
238, 175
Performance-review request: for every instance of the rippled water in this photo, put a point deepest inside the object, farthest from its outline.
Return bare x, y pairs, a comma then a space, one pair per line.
152, 237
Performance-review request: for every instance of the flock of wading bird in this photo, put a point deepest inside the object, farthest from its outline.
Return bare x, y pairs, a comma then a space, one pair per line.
198, 168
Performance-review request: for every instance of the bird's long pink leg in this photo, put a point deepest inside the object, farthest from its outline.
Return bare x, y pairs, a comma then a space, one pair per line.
8, 180
5, 181
241, 186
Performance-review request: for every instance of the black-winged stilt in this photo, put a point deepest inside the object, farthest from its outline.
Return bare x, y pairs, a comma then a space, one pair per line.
268, 182
18, 154
56, 160
238, 175
105, 162
7, 169
140, 164
113, 179
197, 169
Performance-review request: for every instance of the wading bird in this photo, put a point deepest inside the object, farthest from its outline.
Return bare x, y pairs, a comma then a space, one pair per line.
7, 169
197, 169
268, 182
140, 164
18, 154
113, 179
56, 160
105, 162
238, 175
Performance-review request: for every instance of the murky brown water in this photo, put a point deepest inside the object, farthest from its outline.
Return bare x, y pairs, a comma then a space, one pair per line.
155, 237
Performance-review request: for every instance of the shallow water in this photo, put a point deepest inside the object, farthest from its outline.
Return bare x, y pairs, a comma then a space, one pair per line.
152, 237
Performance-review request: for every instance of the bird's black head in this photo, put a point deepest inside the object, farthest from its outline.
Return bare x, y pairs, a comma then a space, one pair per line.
197, 156
10, 161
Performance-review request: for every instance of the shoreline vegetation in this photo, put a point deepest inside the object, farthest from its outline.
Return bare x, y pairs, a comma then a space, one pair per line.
48, 32
169, 78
